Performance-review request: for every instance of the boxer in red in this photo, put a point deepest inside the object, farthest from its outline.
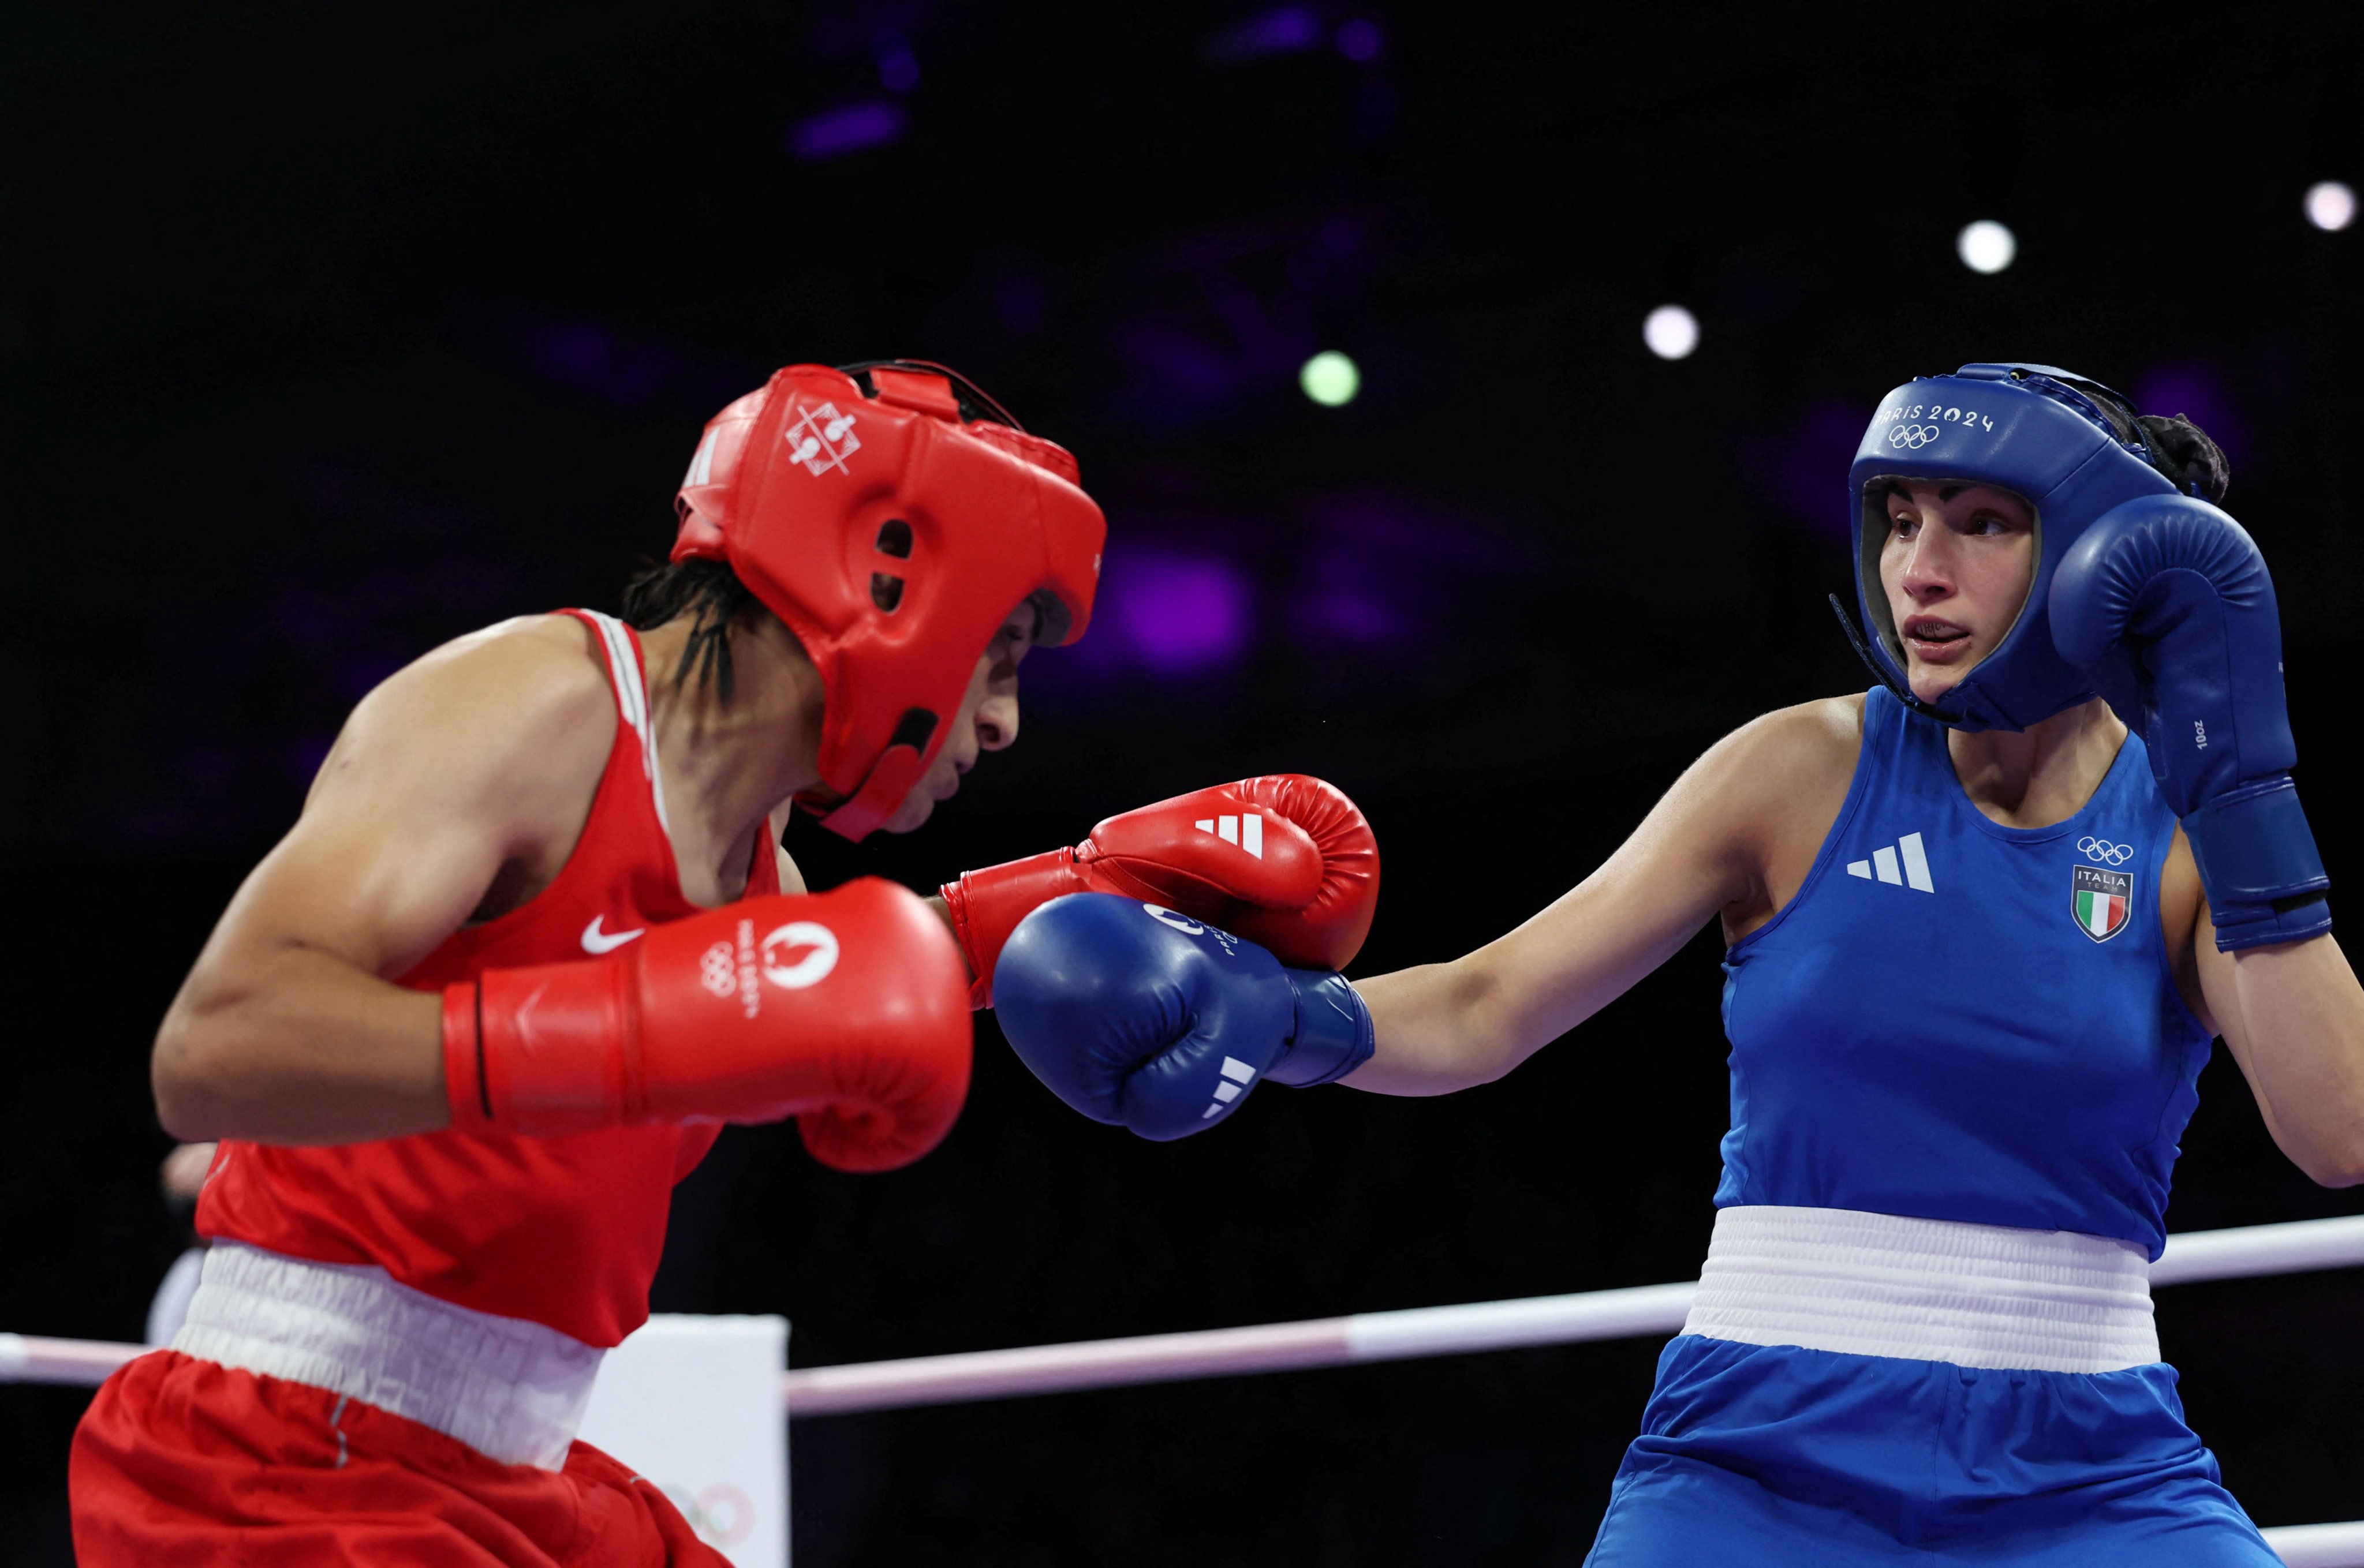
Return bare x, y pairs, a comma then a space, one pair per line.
529, 942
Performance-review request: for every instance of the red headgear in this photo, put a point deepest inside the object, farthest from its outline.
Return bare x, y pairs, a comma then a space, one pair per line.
893, 518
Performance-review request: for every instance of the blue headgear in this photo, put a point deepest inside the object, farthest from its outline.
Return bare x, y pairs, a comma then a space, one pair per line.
2038, 433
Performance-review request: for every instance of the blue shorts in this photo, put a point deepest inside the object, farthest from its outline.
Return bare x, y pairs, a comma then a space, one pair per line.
1776, 1455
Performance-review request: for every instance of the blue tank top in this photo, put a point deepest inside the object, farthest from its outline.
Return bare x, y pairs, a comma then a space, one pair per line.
1954, 1020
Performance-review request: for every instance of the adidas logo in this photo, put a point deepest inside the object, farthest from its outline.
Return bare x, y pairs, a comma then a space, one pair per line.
1246, 831
1237, 1073
1882, 866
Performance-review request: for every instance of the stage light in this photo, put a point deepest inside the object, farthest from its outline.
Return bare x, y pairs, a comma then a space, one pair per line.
898, 68
1284, 29
851, 128
2330, 204
1359, 40
1330, 379
1986, 246
1671, 331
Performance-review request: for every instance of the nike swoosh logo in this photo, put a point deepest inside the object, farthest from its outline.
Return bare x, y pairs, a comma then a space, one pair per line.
596, 940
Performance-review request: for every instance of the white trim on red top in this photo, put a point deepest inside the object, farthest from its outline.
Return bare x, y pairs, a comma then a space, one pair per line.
632, 702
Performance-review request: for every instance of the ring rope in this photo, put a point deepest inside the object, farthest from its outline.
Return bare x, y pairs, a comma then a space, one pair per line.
2244, 1252
2190, 1257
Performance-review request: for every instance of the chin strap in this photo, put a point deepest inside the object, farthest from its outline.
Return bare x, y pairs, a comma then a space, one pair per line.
1879, 673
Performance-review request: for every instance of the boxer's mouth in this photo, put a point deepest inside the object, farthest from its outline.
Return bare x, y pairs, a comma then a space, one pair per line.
1935, 640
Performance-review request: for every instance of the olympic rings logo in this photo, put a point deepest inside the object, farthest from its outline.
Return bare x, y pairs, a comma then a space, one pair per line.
2105, 851
1912, 437
717, 971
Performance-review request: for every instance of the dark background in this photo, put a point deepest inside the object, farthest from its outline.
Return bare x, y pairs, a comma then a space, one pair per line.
326, 334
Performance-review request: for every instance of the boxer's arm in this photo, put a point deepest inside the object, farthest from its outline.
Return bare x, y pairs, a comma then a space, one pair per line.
2292, 1015
1744, 806
472, 760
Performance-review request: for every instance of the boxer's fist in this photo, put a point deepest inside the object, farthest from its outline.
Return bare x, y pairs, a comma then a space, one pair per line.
846, 1010
2184, 586
1285, 861
1141, 1016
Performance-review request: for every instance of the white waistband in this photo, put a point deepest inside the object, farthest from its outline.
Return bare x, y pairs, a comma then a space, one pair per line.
1878, 1285
513, 1391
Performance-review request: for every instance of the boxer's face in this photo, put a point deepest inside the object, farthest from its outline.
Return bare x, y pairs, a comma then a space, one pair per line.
988, 721
1956, 566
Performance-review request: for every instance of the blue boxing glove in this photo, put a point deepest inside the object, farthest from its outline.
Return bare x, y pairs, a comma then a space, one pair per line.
2183, 584
1142, 1017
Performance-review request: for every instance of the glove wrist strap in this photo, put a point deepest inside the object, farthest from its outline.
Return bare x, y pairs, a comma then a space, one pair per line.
987, 906
551, 1049
2258, 865
464, 1059
1334, 1034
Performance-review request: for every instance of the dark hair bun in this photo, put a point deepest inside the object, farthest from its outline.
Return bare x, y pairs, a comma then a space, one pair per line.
2183, 451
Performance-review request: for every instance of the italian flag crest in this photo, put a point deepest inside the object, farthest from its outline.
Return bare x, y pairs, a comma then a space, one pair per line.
2102, 901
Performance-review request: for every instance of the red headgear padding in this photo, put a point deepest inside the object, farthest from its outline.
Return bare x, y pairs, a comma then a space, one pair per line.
894, 536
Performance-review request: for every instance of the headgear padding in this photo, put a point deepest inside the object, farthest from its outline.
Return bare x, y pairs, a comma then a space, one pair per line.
2031, 429
894, 532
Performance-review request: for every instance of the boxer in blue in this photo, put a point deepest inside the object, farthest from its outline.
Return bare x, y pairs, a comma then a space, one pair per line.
1980, 939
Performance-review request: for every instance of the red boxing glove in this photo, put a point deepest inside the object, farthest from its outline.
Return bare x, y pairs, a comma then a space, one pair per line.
1285, 861
844, 1010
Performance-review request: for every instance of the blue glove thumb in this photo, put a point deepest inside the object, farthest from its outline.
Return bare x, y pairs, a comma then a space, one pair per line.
1138, 1017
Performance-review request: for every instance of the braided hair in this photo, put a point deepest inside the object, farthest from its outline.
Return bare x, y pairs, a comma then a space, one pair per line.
710, 592
2175, 446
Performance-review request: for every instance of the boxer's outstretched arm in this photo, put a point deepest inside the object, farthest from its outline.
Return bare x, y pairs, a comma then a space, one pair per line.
482, 756
1715, 843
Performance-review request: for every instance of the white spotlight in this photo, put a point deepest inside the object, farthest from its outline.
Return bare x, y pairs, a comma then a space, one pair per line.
1330, 379
2330, 204
1671, 331
1986, 246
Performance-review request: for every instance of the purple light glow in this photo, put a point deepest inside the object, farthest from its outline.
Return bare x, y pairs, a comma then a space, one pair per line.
590, 359
1350, 612
1380, 567
2194, 392
850, 128
1173, 615
1803, 471
1359, 40
1284, 29
898, 68
1182, 372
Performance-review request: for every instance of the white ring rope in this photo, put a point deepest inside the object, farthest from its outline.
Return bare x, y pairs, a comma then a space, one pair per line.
2192, 1256
1437, 1331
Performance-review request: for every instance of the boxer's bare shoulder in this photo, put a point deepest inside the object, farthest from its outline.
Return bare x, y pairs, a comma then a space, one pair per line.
512, 712
491, 747
1785, 776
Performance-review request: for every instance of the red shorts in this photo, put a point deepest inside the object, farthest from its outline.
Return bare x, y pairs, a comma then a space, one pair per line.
186, 1462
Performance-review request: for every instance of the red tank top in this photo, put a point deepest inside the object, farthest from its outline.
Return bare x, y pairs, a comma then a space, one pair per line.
564, 1231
